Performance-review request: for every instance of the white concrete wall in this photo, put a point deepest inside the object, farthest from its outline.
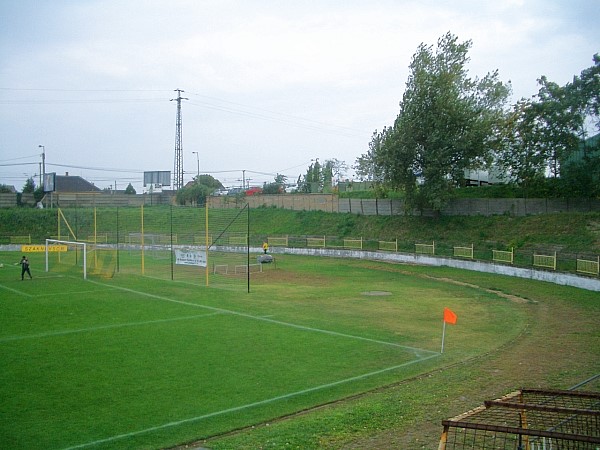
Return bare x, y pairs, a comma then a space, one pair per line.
590, 284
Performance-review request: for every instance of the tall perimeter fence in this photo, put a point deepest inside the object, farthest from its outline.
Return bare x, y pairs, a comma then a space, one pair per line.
172, 242
542, 258
196, 245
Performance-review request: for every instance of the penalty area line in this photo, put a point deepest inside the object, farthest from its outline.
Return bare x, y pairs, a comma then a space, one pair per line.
248, 405
416, 350
104, 327
16, 291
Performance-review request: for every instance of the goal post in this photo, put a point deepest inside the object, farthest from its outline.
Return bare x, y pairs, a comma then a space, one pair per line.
228, 252
58, 246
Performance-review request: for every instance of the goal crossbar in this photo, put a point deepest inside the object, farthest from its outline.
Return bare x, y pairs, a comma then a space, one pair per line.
51, 242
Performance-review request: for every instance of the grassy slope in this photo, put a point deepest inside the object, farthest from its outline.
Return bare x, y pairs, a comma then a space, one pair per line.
571, 232
576, 232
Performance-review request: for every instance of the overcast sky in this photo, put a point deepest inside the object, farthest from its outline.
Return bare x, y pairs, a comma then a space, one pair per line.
271, 84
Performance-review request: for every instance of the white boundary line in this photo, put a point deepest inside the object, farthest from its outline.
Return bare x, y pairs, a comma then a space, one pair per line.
16, 291
103, 327
429, 354
265, 319
247, 406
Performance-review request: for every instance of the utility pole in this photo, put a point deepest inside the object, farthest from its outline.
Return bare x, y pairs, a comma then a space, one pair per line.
178, 169
43, 175
197, 164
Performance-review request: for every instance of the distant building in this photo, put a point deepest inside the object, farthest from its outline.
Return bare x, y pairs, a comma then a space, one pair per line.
73, 184
9, 189
590, 148
483, 177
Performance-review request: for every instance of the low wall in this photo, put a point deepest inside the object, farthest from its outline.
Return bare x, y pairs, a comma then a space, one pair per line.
9, 199
590, 284
322, 202
103, 199
296, 202
392, 207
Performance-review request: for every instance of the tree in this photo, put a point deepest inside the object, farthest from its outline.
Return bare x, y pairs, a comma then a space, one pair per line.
312, 180
29, 186
129, 189
318, 176
522, 159
276, 187
332, 171
197, 191
366, 167
208, 181
447, 123
549, 134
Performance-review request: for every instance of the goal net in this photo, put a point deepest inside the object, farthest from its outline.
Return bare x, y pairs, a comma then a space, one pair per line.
197, 245
66, 257
228, 258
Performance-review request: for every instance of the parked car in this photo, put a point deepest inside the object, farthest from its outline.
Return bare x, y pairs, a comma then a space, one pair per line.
254, 190
235, 191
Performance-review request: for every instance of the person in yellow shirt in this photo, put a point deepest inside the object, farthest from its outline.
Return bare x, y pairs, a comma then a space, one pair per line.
265, 247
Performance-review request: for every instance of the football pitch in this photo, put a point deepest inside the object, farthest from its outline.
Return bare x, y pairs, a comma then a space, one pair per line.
142, 362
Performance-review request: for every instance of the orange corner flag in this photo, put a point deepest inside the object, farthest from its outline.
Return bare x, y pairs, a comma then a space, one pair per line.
449, 316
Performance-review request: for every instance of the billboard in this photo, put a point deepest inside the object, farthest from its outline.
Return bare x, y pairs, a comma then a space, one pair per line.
49, 182
162, 177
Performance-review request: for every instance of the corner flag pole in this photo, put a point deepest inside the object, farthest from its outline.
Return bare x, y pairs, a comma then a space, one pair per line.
450, 317
443, 335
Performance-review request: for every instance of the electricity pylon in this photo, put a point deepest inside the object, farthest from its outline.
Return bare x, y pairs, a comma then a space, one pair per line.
178, 168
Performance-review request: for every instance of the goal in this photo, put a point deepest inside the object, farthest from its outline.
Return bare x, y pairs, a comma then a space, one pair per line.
66, 255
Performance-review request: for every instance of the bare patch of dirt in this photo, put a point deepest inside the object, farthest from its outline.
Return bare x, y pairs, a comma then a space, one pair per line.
376, 293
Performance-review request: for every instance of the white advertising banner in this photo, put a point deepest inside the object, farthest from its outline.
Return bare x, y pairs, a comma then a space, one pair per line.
190, 258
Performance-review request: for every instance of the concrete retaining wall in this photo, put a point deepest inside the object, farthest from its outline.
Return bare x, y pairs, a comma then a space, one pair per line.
590, 284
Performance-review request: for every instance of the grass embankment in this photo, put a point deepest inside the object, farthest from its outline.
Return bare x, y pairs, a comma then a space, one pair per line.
569, 233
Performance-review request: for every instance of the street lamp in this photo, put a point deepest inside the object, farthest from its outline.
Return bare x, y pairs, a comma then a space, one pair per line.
197, 162
43, 162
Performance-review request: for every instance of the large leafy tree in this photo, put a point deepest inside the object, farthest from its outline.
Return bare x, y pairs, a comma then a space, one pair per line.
447, 123
523, 158
545, 134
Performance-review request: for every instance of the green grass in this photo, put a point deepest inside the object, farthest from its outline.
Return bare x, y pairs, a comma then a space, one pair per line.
568, 233
559, 348
138, 362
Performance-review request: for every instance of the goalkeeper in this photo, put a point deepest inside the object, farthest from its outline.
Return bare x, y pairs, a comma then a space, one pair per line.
25, 267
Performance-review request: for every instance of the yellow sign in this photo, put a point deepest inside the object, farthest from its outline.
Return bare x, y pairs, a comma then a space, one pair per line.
42, 248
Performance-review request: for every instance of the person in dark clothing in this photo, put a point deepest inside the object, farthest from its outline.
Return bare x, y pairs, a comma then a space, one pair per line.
25, 267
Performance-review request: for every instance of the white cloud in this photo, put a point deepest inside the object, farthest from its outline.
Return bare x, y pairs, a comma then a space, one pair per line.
338, 64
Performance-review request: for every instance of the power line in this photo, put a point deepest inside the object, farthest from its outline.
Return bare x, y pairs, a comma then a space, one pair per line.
287, 120
283, 114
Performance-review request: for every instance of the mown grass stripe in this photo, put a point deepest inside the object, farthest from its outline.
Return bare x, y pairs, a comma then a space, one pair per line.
102, 327
266, 319
247, 406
